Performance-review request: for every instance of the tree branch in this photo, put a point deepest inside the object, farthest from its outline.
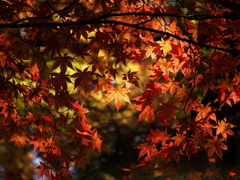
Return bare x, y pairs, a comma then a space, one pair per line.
96, 21
197, 17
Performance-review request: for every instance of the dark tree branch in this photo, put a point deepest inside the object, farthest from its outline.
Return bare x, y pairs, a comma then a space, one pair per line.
96, 21
190, 17
197, 17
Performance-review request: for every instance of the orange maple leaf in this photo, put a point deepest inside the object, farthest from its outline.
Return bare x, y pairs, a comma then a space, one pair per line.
157, 136
104, 84
183, 93
166, 65
148, 149
19, 139
97, 142
178, 139
216, 145
148, 113
171, 152
205, 113
118, 94
224, 128
80, 111
190, 148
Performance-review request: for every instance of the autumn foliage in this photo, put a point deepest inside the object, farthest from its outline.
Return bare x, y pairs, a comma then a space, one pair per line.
158, 58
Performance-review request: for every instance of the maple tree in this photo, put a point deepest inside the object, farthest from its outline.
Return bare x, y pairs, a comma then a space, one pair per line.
66, 66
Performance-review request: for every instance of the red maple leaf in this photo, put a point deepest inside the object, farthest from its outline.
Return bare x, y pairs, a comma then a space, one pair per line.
83, 78
63, 62
9, 110
98, 64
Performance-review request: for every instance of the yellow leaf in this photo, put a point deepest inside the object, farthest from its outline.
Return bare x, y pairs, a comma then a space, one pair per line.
166, 47
118, 94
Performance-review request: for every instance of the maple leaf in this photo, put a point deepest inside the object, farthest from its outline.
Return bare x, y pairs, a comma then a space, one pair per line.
60, 80
148, 113
165, 46
84, 127
183, 93
119, 53
112, 71
63, 62
147, 149
226, 84
212, 174
104, 84
19, 139
171, 151
83, 77
9, 110
224, 128
199, 140
166, 66
98, 64
205, 113
157, 136
193, 176
168, 109
80, 112
178, 139
149, 52
81, 160
172, 86
117, 94
44, 169
131, 77
97, 142
216, 145
37, 140
190, 148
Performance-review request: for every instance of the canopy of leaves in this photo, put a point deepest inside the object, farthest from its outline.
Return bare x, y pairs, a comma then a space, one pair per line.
69, 68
